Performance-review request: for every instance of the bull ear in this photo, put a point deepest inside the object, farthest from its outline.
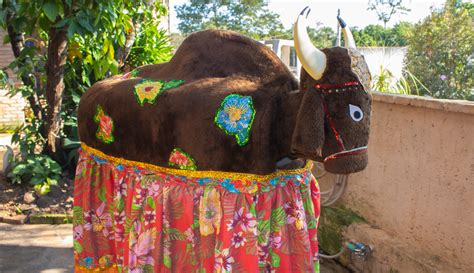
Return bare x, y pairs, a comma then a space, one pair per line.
308, 134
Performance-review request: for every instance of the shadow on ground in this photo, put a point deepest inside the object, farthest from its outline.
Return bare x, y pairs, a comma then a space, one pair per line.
21, 259
36, 248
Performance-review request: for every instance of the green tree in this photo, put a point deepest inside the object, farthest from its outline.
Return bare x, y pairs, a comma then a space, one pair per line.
322, 37
62, 47
441, 51
376, 35
249, 17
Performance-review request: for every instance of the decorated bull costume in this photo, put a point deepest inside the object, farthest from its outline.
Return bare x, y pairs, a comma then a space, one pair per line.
203, 164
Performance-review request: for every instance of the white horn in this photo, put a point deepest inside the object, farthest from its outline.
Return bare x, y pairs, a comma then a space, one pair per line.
348, 38
312, 59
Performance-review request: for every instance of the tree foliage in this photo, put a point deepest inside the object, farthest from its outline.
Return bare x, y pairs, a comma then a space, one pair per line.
441, 51
321, 36
376, 35
249, 17
62, 47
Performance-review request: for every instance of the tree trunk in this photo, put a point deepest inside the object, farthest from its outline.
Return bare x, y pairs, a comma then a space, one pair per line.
55, 66
16, 42
122, 53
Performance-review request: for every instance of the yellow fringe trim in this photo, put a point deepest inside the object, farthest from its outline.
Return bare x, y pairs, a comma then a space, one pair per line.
197, 174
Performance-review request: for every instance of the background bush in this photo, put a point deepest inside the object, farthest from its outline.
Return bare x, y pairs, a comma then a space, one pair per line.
441, 51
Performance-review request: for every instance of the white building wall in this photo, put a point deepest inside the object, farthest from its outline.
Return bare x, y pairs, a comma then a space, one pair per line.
390, 58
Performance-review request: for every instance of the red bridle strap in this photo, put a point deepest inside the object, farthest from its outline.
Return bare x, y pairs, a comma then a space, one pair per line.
331, 124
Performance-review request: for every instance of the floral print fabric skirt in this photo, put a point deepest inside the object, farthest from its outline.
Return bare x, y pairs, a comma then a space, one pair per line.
136, 217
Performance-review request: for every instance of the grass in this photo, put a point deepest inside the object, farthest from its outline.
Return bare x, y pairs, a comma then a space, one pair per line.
53, 219
408, 84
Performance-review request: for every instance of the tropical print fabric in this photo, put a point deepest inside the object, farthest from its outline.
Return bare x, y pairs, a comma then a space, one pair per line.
235, 116
135, 217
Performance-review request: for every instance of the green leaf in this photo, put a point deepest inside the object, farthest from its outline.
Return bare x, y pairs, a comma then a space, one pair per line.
72, 29
85, 24
41, 189
277, 219
6, 39
148, 268
77, 215
19, 169
37, 180
101, 194
62, 23
120, 204
151, 202
77, 247
167, 261
51, 10
121, 39
51, 181
312, 223
105, 46
263, 226
275, 259
175, 235
44, 23
136, 207
252, 210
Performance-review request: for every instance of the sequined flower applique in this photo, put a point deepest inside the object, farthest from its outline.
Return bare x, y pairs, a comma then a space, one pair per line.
130, 75
180, 159
235, 116
147, 90
106, 126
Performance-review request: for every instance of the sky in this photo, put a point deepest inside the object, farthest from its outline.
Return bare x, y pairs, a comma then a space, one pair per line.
354, 12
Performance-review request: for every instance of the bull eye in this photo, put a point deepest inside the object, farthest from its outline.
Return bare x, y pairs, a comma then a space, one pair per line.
355, 112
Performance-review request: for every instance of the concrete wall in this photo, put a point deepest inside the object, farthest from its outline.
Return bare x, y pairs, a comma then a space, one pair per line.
282, 49
419, 184
11, 109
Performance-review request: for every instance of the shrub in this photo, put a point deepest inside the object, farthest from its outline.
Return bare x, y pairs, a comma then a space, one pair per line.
441, 51
38, 170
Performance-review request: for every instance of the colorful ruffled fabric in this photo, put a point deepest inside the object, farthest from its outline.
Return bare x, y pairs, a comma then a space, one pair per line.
106, 126
136, 217
181, 160
235, 116
147, 90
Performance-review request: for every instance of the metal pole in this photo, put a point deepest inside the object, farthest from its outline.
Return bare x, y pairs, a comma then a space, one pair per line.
338, 30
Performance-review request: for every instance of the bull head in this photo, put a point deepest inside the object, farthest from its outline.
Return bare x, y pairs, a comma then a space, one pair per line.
332, 123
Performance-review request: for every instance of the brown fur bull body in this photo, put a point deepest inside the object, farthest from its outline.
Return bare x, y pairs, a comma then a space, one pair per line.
289, 122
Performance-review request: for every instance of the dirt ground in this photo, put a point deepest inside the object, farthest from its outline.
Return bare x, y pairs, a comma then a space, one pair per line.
22, 200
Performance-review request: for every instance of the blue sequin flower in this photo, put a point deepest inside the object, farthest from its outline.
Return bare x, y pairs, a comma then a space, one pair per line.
235, 116
88, 262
